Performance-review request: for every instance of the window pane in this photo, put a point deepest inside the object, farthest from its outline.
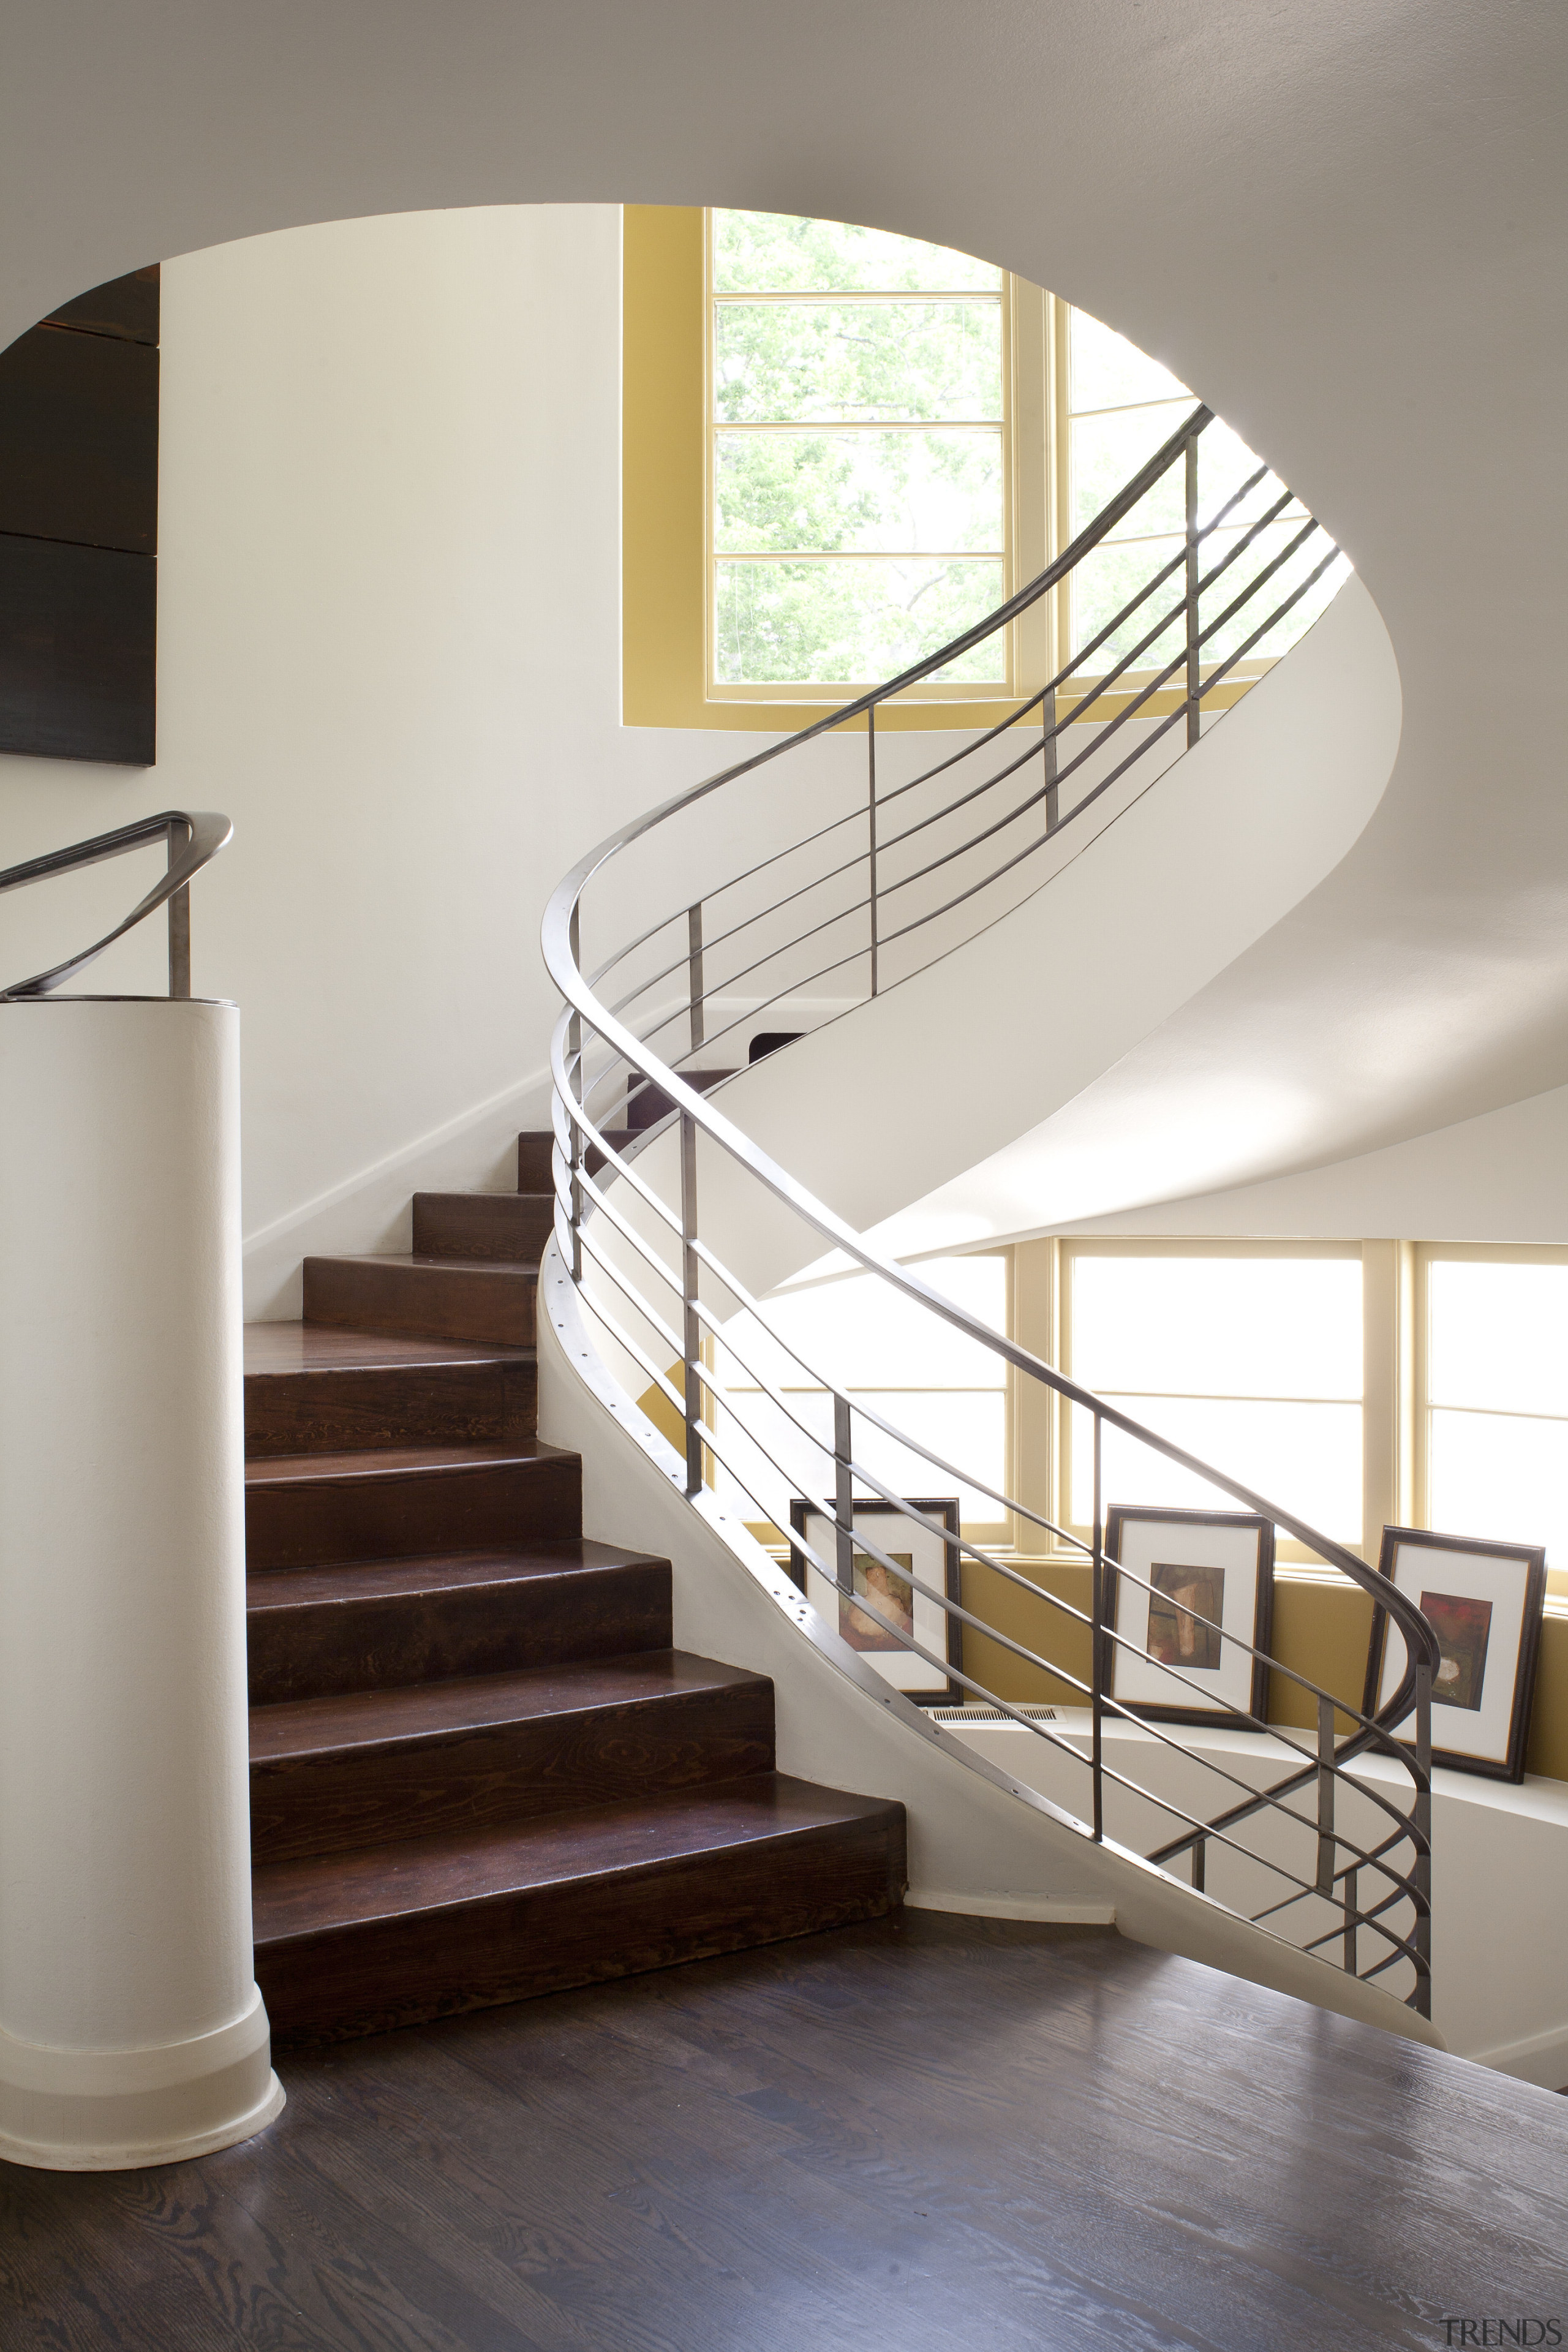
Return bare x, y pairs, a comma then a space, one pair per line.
1225, 462
1248, 1327
968, 1431
1498, 1335
861, 1334
1108, 372
1264, 597
781, 253
1492, 1476
1304, 1457
1106, 581
852, 623
1105, 450
843, 364
901, 491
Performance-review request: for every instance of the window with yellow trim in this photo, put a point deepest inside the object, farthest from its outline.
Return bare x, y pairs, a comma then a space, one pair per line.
841, 447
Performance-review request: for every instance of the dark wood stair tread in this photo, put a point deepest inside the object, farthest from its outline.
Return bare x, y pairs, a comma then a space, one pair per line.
283, 1348
321, 1893
417, 1579
390, 1462
425, 1265
360, 1720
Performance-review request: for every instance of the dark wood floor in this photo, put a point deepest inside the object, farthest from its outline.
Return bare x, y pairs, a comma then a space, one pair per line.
922, 2133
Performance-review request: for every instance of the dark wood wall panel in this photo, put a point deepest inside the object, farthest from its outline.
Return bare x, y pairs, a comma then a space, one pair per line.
79, 631
79, 528
79, 435
125, 306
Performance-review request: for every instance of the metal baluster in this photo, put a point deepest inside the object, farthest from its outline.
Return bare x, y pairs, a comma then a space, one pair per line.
871, 812
694, 970
1421, 1821
1200, 1861
1325, 1796
691, 1336
843, 1496
1350, 1910
574, 1130
1195, 710
1097, 1666
1048, 747
179, 920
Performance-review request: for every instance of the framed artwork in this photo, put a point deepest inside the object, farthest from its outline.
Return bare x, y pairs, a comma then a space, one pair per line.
1204, 1574
934, 1559
1484, 1604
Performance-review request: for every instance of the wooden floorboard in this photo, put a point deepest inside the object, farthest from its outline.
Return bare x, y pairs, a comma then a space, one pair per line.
917, 2133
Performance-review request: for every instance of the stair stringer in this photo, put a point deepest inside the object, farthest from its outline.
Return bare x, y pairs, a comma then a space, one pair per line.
1128, 920
978, 1840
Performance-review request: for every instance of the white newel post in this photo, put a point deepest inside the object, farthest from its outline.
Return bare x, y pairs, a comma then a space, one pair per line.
132, 2030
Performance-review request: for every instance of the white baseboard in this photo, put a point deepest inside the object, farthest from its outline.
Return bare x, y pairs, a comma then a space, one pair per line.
1543, 2059
1042, 1908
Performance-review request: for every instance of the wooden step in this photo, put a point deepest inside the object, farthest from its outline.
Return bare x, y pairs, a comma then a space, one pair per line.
309, 1510
535, 1159
429, 1297
311, 1388
358, 1943
381, 1623
648, 1104
508, 1227
328, 1775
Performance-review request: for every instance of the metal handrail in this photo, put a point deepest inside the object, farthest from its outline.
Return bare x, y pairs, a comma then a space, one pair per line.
598, 1046
193, 838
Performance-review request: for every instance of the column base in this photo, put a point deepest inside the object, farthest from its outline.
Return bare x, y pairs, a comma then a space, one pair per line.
115, 2110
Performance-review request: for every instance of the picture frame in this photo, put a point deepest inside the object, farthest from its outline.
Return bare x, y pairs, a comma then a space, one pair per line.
1212, 1573
1484, 1600
934, 1559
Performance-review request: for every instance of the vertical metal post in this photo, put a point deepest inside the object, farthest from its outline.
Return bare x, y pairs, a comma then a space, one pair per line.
1421, 1822
1097, 1669
575, 1067
1325, 1796
872, 814
179, 920
691, 1332
1048, 751
1351, 1914
1195, 708
843, 1496
694, 970
1200, 1861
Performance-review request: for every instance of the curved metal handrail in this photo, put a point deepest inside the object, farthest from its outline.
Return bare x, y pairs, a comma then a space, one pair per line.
591, 1026
203, 834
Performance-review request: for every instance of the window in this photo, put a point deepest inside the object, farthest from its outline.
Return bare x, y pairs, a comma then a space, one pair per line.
1249, 1355
840, 446
858, 456
1492, 1425
1119, 407
894, 1357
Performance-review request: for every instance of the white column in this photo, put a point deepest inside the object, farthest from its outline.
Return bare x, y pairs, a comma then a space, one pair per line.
132, 2030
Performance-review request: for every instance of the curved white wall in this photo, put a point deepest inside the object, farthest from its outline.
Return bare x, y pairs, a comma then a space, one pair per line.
1295, 208
132, 2030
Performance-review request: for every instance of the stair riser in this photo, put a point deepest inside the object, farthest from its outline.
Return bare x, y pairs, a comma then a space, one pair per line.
312, 1652
421, 1302
435, 1404
491, 1507
471, 1779
513, 1225
366, 1980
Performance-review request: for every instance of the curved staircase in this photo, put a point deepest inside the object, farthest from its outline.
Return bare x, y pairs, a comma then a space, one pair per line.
478, 1768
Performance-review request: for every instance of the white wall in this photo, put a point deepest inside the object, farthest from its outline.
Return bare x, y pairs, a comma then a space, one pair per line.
389, 648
